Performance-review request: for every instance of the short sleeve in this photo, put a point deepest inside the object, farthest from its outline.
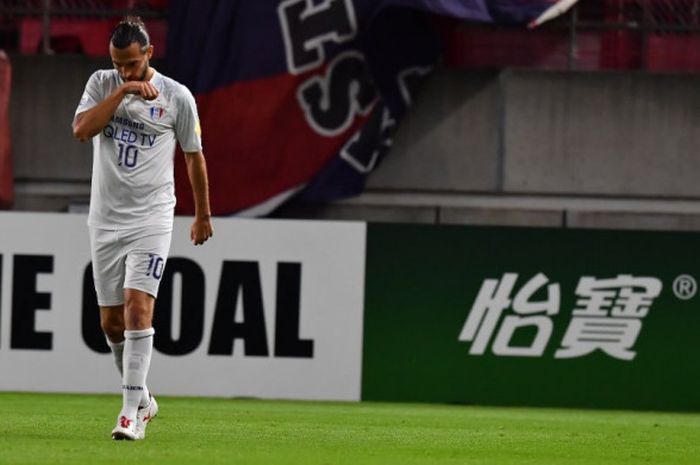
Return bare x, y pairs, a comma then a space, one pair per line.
187, 129
92, 95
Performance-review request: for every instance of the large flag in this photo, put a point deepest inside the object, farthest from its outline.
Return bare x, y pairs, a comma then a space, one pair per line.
302, 97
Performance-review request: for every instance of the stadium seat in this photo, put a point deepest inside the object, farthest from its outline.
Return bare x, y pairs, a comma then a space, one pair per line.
673, 53
80, 35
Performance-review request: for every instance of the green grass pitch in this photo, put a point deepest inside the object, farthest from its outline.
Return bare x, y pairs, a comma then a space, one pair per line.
74, 429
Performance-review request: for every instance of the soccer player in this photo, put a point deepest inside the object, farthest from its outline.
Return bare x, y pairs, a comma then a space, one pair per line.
134, 116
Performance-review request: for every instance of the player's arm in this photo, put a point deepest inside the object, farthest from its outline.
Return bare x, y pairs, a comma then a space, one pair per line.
90, 122
197, 172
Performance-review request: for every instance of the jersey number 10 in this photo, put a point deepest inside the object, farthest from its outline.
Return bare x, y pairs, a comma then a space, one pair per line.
128, 155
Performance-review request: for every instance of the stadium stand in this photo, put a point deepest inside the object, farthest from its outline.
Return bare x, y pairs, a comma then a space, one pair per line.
76, 26
543, 140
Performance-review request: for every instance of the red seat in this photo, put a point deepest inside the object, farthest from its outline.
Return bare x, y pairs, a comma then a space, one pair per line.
673, 53
89, 36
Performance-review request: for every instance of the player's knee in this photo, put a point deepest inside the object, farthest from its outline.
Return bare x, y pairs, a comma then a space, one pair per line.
138, 316
139, 321
113, 328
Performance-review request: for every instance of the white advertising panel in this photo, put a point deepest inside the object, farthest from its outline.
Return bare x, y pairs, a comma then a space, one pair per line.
266, 308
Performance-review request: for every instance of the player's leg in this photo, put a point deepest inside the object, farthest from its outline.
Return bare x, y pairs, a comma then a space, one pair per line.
144, 268
112, 322
108, 268
138, 347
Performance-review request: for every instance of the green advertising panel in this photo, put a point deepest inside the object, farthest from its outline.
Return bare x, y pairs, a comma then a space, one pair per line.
524, 316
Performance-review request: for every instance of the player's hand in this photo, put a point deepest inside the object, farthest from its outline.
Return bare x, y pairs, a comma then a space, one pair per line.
145, 89
201, 230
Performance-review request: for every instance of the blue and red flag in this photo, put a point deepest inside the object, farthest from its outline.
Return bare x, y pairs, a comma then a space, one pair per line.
302, 97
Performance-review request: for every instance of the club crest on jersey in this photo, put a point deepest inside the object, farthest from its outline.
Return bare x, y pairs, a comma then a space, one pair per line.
157, 113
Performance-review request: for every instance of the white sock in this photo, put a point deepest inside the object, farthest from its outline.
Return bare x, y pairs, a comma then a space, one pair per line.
118, 352
136, 361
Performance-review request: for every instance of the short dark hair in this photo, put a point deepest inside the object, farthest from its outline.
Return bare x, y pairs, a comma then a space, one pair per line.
131, 29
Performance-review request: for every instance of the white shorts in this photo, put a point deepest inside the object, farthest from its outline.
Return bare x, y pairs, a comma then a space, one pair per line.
127, 259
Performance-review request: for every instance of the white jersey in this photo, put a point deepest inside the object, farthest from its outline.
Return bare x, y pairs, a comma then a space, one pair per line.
132, 169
